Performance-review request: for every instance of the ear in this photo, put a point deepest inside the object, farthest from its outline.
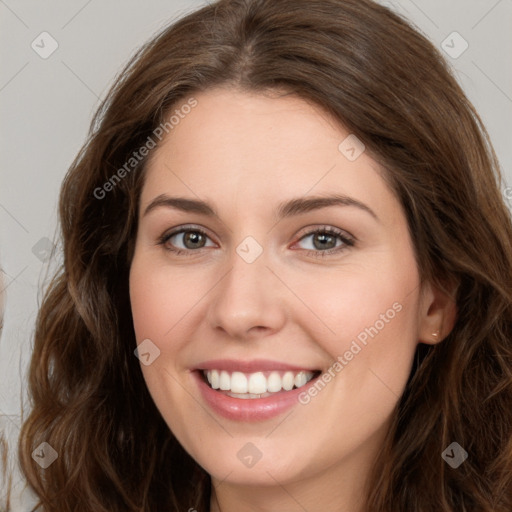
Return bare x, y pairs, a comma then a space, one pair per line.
437, 313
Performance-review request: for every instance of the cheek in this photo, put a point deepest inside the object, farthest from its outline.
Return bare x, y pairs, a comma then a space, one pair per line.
362, 303
157, 308
158, 300
374, 318
369, 319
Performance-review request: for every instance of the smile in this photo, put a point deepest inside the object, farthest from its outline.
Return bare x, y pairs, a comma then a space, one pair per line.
256, 385
254, 390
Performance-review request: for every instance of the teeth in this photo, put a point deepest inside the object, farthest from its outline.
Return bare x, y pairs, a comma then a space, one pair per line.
300, 379
239, 383
288, 381
255, 384
224, 381
274, 382
215, 380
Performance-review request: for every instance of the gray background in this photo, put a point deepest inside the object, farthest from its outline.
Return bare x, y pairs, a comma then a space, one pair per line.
46, 106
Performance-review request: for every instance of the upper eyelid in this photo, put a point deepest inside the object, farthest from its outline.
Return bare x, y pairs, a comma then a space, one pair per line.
328, 228
184, 229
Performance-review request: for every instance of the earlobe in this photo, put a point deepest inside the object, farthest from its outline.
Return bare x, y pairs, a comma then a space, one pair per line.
438, 314
434, 338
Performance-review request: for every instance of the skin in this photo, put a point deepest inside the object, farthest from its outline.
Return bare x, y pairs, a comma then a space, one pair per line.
245, 153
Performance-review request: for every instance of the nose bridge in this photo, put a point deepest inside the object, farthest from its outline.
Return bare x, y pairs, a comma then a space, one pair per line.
246, 297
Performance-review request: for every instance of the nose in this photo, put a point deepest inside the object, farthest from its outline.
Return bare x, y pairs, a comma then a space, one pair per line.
249, 301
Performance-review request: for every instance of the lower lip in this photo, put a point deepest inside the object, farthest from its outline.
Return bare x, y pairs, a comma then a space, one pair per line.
250, 409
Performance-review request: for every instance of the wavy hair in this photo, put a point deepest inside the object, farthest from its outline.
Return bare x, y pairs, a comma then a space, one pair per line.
88, 396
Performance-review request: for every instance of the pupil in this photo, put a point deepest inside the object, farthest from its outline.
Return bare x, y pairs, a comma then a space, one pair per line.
323, 238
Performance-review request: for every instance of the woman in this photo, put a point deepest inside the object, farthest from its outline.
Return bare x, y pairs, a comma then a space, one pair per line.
287, 279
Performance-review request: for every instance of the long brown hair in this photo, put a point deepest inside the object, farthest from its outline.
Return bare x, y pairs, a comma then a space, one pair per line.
89, 399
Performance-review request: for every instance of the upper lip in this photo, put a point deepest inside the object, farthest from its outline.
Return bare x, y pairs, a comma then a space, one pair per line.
255, 365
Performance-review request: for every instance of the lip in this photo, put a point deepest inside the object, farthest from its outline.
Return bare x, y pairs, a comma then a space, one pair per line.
256, 365
249, 410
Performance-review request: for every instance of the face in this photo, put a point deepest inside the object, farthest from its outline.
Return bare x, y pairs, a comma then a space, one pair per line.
258, 280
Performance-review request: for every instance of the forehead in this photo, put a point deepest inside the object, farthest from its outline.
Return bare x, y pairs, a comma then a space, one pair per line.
258, 147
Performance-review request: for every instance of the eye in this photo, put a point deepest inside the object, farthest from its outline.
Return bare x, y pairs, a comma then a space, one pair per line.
323, 241
185, 240
326, 240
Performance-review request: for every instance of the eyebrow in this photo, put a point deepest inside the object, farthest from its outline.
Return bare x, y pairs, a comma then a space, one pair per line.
286, 209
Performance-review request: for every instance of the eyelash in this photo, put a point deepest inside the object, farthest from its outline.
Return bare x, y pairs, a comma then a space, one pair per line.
347, 242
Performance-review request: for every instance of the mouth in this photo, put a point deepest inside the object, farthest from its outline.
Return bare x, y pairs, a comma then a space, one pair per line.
256, 385
256, 390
